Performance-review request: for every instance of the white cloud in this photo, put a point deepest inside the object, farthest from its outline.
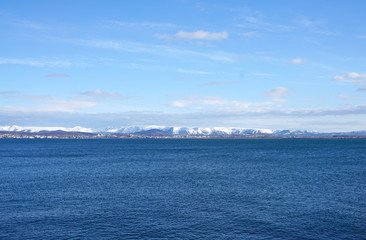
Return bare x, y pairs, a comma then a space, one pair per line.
100, 93
45, 103
7, 93
250, 34
22, 96
193, 71
254, 20
278, 92
140, 24
347, 97
97, 93
321, 119
36, 62
297, 61
189, 101
251, 19
218, 83
57, 75
314, 26
54, 105
262, 74
218, 103
178, 104
29, 24
148, 67
353, 77
64, 105
213, 100
160, 50
202, 35
197, 35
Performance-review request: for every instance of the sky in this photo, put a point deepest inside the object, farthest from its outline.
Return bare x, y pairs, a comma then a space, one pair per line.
249, 64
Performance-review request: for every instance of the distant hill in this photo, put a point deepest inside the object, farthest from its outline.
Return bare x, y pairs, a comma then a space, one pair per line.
165, 132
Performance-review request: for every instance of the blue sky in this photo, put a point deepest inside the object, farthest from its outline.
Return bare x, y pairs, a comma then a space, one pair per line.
251, 64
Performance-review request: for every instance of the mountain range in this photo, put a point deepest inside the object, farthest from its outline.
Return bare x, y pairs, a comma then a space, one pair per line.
163, 131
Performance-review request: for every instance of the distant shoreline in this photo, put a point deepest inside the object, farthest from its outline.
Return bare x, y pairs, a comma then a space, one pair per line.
83, 135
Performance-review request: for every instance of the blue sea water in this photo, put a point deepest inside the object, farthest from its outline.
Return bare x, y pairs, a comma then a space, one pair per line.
183, 189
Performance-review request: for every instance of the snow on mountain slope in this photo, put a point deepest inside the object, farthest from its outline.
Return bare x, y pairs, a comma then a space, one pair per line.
186, 131
14, 128
134, 129
189, 131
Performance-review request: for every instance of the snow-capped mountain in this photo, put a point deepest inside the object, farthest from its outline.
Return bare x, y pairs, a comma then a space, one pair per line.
154, 130
213, 131
189, 131
15, 128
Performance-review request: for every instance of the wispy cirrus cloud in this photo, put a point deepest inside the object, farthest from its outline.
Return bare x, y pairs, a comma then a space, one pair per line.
262, 74
252, 34
351, 97
64, 105
348, 97
42, 103
193, 71
148, 67
218, 103
5, 93
196, 35
97, 93
196, 102
298, 61
29, 24
37, 62
57, 75
160, 50
24, 96
100, 93
218, 83
276, 95
116, 23
336, 111
47, 103
316, 26
255, 20
361, 90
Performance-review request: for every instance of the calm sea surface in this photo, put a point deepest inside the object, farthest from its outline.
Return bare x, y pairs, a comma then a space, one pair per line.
183, 189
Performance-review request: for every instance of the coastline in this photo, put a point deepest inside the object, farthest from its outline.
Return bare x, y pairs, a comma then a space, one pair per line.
83, 135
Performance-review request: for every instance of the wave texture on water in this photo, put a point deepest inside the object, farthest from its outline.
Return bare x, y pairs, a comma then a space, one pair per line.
183, 189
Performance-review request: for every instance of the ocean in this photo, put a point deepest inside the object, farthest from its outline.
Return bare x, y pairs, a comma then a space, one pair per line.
183, 189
